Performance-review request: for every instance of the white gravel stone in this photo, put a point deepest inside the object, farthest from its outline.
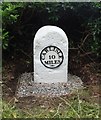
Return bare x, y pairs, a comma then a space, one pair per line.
27, 87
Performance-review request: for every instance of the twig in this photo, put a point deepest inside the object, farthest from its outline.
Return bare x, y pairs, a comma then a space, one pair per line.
57, 113
73, 48
70, 106
24, 53
79, 104
41, 113
88, 53
84, 39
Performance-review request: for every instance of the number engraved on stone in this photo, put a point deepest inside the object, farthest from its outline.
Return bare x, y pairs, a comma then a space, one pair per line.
51, 57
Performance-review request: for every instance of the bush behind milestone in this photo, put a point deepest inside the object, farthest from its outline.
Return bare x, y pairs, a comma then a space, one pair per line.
80, 21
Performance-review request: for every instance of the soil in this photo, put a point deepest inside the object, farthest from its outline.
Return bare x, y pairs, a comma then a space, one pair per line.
13, 67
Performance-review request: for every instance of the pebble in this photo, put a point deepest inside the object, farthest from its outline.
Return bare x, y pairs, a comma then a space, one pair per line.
27, 87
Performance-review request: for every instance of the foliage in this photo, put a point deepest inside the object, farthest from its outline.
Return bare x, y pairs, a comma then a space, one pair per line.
80, 21
95, 27
5, 38
9, 15
10, 111
67, 108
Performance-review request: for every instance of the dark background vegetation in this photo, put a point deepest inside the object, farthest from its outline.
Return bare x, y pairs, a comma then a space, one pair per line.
80, 21
82, 25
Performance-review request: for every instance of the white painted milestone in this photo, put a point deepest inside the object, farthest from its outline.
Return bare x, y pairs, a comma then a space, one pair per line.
50, 55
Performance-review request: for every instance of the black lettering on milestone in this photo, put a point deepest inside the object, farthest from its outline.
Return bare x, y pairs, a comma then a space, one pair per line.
57, 51
55, 61
60, 55
53, 56
46, 62
58, 61
43, 56
49, 57
46, 50
52, 48
51, 62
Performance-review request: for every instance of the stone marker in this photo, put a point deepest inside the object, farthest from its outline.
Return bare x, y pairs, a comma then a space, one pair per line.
51, 78
50, 55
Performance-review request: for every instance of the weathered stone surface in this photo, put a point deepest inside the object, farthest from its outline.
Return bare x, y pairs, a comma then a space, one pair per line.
50, 55
27, 86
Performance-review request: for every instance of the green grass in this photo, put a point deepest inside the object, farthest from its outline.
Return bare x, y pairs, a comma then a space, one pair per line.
66, 108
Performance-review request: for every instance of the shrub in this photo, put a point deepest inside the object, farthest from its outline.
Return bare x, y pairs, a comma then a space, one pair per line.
80, 21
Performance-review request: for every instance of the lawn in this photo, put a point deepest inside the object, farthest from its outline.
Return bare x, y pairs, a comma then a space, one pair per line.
77, 105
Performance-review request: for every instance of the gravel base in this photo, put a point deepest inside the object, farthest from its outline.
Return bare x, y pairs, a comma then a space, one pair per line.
27, 87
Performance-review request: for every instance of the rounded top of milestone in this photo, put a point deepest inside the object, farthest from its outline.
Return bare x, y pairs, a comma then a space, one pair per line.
51, 57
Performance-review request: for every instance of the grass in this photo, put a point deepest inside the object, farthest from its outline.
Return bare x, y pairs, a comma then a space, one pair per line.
73, 107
